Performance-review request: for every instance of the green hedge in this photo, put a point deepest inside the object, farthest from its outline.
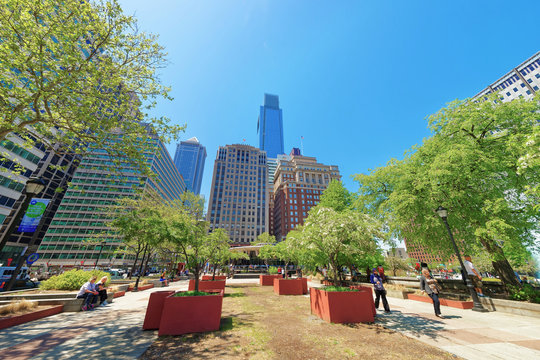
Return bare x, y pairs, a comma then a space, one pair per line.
71, 280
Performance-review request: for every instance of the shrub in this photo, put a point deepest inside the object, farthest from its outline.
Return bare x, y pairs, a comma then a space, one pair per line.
17, 306
71, 280
337, 288
272, 270
525, 293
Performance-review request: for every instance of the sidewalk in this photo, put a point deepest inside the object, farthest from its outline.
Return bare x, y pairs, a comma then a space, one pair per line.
111, 332
466, 333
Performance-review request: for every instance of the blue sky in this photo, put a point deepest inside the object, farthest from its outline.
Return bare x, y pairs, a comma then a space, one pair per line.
355, 78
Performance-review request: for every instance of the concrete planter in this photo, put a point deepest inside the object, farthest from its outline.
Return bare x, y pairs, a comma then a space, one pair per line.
21, 319
142, 287
268, 280
512, 307
154, 309
119, 294
190, 314
207, 285
290, 286
445, 302
217, 277
342, 306
400, 294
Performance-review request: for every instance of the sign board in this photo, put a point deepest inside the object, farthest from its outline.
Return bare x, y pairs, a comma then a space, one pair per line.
32, 258
33, 215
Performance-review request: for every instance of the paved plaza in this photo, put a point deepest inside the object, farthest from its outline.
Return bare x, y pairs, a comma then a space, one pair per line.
114, 332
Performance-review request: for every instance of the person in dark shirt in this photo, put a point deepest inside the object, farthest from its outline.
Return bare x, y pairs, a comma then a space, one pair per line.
380, 292
102, 290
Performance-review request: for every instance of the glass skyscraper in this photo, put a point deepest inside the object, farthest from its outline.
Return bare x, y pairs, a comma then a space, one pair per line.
189, 159
270, 127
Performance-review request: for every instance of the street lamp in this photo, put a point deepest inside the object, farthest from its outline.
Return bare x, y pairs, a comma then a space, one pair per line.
33, 187
99, 254
477, 305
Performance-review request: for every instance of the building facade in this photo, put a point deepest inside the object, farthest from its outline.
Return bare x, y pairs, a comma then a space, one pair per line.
270, 127
523, 81
56, 168
189, 158
80, 223
239, 194
299, 182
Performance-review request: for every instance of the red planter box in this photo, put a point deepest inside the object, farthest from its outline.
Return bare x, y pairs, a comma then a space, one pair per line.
365, 291
154, 309
218, 277
342, 306
207, 285
36, 315
142, 287
118, 294
290, 286
446, 302
190, 314
268, 280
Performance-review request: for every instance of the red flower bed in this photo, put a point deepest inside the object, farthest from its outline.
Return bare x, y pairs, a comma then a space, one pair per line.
154, 309
218, 277
190, 314
290, 286
446, 302
142, 287
268, 280
342, 306
118, 294
207, 285
36, 315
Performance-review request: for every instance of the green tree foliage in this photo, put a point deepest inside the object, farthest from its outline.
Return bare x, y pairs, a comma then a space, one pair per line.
395, 263
217, 250
336, 197
265, 238
335, 238
469, 165
79, 73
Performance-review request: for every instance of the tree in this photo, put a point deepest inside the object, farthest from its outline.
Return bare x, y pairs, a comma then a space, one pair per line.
217, 250
470, 166
395, 263
80, 73
336, 197
336, 238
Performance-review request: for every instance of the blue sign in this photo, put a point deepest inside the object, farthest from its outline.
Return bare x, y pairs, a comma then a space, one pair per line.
32, 258
33, 215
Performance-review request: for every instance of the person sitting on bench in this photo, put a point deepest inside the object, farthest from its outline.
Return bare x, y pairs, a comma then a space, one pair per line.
88, 293
102, 291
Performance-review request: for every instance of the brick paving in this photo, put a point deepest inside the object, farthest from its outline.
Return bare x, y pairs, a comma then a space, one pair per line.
114, 332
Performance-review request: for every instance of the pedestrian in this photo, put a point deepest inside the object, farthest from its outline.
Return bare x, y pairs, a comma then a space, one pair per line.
473, 275
380, 269
430, 286
380, 291
88, 293
102, 290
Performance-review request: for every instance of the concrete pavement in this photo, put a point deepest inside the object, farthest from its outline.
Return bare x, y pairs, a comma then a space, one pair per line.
114, 332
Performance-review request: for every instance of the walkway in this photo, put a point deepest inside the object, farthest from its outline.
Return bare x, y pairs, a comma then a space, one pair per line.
114, 332
466, 333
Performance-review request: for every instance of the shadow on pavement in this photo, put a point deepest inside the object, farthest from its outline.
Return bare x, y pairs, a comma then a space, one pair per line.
412, 323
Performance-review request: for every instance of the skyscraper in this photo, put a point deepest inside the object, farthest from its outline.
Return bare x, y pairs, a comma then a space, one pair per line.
81, 218
189, 159
270, 127
239, 194
298, 183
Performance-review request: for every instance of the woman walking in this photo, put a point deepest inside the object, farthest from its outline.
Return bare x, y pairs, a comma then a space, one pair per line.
429, 285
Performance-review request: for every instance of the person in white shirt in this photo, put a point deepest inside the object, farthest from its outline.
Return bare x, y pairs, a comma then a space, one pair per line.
88, 292
473, 275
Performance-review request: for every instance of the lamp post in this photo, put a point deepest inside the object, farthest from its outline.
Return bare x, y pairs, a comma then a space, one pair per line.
99, 254
477, 305
33, 187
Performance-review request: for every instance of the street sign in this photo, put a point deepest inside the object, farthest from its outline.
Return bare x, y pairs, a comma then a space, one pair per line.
32, 258
33, 215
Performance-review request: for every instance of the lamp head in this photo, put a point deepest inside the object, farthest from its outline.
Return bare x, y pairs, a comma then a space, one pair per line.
34, 186
442, 212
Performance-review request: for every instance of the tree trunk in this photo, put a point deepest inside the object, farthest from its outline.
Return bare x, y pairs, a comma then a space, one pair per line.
214, 273
136, 288
500, 264
136, 259
196, 274
335, 275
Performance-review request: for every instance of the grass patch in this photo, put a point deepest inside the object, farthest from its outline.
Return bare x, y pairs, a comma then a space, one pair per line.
235, 295
17, 306
337, 288
192, 293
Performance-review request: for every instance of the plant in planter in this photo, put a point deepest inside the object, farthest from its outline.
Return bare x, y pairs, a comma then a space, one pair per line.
337, 238
217, 251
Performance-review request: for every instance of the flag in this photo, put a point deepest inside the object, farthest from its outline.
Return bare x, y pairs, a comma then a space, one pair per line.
302, 137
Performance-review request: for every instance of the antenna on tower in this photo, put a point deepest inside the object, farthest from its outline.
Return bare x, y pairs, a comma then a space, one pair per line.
302, 144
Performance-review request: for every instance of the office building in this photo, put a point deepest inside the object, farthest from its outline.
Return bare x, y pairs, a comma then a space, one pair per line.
81, 219
523, 81
55, 167
239, 194
299, 182
270, 127
189, 159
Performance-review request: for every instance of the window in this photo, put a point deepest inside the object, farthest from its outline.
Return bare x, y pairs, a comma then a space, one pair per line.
515, 89
508, 94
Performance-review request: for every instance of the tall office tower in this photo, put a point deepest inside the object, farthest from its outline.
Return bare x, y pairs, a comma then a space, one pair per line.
523, 81
298, 183
81, 219
270, 126
239, 195
189, 159
54, 166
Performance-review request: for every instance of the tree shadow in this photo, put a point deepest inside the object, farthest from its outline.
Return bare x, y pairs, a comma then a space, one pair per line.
412, 324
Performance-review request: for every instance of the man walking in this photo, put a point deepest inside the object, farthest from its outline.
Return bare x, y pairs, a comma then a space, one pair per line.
473, 275
380, 292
